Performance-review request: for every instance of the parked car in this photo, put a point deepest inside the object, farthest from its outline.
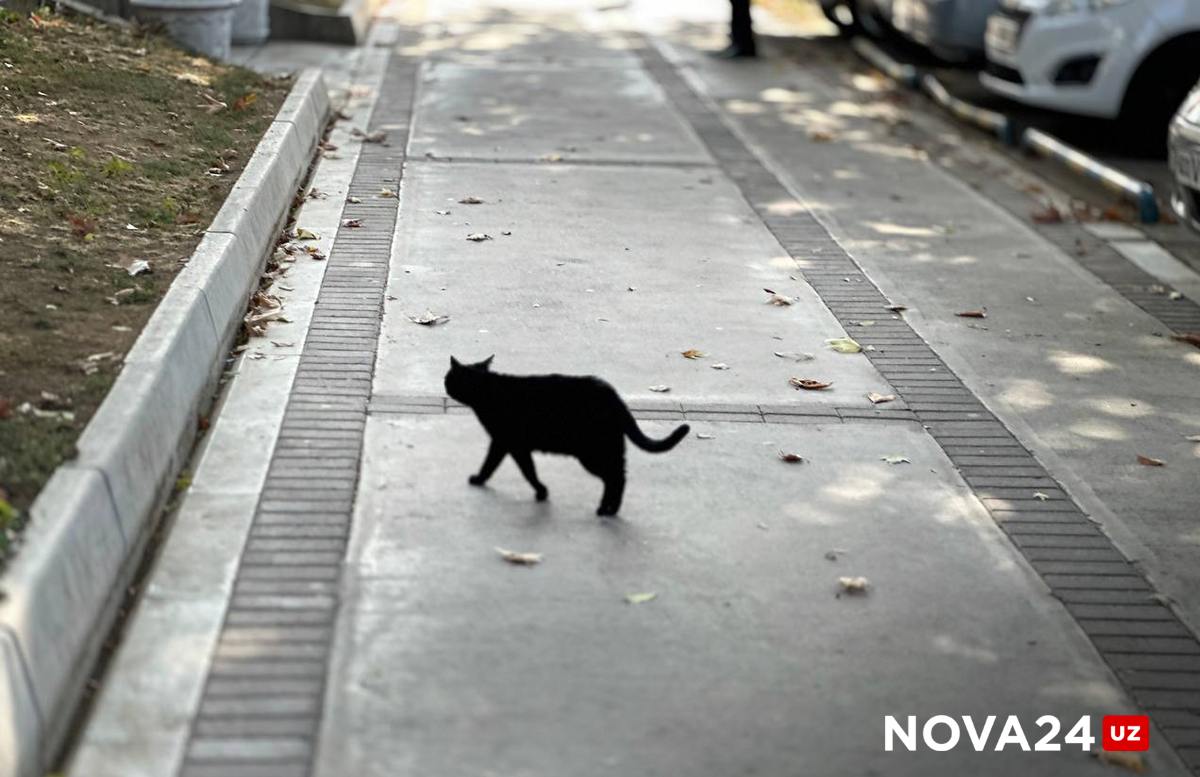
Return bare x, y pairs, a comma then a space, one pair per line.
951, 29
1128, 59
1184, 158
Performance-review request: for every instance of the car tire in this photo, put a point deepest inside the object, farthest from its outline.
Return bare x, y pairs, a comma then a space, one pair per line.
844, 15
1155, 92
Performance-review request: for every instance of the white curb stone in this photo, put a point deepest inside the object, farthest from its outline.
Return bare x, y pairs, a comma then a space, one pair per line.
89, 523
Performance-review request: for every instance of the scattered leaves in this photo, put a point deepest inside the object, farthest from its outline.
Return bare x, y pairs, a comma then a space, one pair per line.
778, 299
660, 389
819, 135
1192, 338
386, 193
470, 201
352, 223
853, 585
245, 101
1149, 461
879, 399
1123, 758
519, 559
981, 313
305, 234
429, 318
378, 136
1038, 495
704, 436
692, 353
809, 384
795, 356
719, 366
791, 458
896, 459
844, 345
1046, 215
641, 598
478, 237
896, 308
137, 267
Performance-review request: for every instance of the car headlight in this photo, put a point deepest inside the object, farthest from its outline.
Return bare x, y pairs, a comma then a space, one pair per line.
1056, 7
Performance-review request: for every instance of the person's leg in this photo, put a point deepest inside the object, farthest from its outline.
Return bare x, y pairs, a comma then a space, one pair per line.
741, 34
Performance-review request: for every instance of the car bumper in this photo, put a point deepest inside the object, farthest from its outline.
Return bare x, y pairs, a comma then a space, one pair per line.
1184, 160
1027, 54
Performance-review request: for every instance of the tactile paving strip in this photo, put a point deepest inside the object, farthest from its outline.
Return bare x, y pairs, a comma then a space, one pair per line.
261, 704
1153, 653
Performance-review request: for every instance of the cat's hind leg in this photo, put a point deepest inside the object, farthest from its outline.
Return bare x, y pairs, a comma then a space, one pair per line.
495, 455
610, 468
525, 462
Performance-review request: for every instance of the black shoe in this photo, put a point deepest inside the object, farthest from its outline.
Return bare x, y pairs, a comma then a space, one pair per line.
734, 51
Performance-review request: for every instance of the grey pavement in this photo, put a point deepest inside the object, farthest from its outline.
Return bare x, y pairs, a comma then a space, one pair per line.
628, 225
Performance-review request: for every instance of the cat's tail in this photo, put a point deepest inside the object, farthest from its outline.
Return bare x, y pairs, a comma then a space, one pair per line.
638, 438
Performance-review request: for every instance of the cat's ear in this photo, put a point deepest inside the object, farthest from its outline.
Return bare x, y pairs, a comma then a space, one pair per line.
487, 363
454, 363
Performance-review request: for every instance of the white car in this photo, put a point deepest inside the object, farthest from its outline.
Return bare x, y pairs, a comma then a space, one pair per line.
1128, 59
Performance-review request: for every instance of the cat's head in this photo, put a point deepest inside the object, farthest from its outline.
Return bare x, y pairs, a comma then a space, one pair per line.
462, 379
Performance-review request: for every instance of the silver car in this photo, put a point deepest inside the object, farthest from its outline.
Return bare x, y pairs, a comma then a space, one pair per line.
951, 29
870, 16
1183, 149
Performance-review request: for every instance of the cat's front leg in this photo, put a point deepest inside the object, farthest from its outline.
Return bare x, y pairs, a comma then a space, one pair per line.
525, 462
495, 455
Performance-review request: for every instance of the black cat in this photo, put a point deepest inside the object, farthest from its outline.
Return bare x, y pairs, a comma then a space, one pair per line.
580, 416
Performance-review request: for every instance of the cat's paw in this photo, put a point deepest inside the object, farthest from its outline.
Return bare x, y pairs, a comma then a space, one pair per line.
475, 480
541, 494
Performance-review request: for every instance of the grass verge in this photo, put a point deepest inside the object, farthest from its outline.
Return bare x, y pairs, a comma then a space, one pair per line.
117, 149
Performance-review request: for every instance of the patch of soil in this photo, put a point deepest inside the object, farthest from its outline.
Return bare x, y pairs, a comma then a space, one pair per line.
116, 148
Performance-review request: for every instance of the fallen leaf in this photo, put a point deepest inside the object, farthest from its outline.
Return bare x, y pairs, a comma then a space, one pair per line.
896, 308
808, 384
315, 253
981, 313
378, 136
388, 193
818, 135
442, 212
844, 345
470, 201
879, 399
352, 223
704, 436
213, 105
1150, 462
795, 356
138, 267
1174, 296
778, 299
896, 459
429, 318
478, 237
520, 559
316, 194
791, 458
551, 157
1046, 215
719, 366
1123, 758
354, 200
1191, 338
1193, 438
692, 353
245, 101
854, 585
660, 389
306, 234
1038, 495
641, 598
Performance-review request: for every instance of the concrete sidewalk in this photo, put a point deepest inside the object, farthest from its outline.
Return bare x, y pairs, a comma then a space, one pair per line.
331, 601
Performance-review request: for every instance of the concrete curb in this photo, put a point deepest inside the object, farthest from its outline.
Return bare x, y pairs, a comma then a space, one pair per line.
1137, 192
91, 521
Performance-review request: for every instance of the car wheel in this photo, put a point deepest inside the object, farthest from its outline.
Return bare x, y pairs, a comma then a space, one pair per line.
844, 14
1154, 94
